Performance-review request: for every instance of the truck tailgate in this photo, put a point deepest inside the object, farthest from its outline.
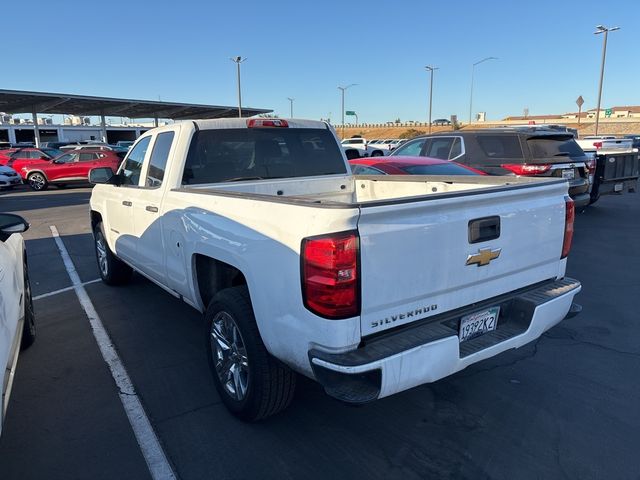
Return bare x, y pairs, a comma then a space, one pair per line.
414, 255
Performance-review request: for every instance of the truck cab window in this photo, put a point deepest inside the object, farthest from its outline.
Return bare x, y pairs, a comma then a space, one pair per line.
159, 156
132, 166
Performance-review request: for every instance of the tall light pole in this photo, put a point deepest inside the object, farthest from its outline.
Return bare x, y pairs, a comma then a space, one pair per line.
291, 106
601, 29
238, 61
342, 89
473, 67
431, 69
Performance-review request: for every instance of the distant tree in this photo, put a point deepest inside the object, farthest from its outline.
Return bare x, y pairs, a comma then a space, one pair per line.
412, 132
397, 120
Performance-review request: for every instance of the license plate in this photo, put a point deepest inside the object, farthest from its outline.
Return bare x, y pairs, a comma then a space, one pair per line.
568, 174
617, 187
478, 323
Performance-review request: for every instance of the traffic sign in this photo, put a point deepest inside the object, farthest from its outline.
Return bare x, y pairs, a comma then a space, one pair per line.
607, 112
350, 112
580, 101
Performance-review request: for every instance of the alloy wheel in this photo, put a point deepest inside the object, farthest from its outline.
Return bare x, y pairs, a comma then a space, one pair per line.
229, 355
37, 181
101, 251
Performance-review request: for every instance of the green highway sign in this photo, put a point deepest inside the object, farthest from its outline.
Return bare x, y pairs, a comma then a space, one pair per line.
607, 112
350, 112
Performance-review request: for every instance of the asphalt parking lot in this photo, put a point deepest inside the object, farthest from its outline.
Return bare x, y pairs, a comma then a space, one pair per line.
566, 406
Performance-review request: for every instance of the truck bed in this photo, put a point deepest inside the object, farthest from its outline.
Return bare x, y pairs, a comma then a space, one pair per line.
363, 191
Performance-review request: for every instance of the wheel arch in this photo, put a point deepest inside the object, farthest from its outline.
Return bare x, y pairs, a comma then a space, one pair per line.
212, 275
36, 170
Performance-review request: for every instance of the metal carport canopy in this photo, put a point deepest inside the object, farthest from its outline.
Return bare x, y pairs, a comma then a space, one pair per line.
16, 101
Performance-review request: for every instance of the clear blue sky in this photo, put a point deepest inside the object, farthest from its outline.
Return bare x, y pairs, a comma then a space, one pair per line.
180, 51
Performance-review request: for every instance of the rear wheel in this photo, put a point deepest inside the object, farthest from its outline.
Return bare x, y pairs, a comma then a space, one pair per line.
113, 271
37, 181
377, 153
252, 384
29, 329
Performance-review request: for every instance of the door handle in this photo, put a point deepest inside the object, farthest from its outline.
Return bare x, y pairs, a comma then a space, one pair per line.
484, 229
151, 208
127, 203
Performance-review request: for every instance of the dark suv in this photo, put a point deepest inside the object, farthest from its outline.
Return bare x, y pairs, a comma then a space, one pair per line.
506, 151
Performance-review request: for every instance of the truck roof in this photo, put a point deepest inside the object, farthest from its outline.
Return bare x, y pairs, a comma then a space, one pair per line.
219, 123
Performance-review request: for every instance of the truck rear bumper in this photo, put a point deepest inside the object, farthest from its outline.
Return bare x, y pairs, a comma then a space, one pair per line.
430, 350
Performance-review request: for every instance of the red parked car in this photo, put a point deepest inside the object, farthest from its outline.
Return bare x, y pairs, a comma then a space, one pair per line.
409, 166
69, 168
17, 158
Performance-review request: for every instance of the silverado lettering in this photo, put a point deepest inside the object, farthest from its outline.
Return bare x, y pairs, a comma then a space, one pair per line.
402, 316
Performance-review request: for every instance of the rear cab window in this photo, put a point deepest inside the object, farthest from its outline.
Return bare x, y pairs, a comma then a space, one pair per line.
158, 160
237, 154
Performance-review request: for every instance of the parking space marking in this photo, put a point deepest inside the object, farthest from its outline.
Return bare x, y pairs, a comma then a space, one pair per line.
152, 451
62, 290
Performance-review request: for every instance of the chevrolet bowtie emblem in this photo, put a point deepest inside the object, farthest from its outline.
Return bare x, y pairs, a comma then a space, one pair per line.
483, 257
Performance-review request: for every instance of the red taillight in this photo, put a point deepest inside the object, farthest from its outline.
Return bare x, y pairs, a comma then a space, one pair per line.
526, 169
591, 166
598, 145
570, 216
330, 275
266, 122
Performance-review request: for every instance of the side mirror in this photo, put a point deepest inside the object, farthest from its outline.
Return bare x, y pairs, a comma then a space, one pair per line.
103, 175
10, 224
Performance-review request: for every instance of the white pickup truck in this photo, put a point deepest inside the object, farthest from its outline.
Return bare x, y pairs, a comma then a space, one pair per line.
593, 143
364, 148
369, 285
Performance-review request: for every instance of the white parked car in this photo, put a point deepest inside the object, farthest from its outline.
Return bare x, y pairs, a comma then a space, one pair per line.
9, 178
368, 285
17, 320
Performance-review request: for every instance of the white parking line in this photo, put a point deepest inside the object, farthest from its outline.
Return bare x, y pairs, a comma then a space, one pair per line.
62, 290
155, 457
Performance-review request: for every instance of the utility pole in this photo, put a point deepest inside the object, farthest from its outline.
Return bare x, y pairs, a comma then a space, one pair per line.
291, 106
343, 89
238, 61
473, 67
431, 69
601, 29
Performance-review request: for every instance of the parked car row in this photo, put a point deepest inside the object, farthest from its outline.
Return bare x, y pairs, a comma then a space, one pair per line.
41, 167
357, 146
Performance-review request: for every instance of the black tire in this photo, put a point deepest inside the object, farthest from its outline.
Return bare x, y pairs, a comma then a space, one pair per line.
377, 153
37, 181
270, 385
113, 271
29, 328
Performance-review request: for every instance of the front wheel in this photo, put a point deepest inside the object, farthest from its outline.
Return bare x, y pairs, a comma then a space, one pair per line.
252, 384
37, 181
113, 271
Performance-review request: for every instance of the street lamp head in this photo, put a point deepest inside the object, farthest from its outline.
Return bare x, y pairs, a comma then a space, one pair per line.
484, 60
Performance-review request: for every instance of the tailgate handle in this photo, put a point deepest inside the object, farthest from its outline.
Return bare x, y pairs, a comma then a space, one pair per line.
484, 229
